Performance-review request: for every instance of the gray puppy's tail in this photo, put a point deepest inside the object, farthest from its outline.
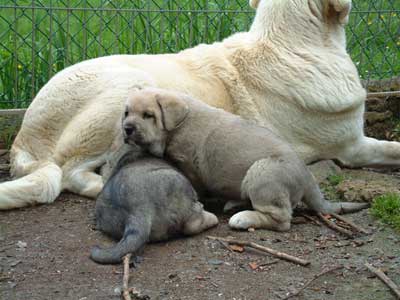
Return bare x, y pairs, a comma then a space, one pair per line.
133, 239
314, 199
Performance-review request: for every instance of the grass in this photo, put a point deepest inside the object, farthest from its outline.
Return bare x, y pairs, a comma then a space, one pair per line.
387, 209
336, 179
35, 44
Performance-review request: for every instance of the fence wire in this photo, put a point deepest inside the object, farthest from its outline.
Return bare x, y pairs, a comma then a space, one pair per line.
40, 37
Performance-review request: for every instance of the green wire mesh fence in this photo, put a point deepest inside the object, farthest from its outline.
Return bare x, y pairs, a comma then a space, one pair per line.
40, 37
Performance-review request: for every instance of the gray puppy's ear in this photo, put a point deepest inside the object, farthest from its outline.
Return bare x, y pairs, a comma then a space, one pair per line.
254, 3
173, 110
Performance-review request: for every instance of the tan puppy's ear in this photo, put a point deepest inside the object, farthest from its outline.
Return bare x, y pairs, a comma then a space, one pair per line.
337, 11
254, 3
173, 110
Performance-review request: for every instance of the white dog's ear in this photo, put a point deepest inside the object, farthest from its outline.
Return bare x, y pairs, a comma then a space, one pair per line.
337, 11
173, 110
254, 3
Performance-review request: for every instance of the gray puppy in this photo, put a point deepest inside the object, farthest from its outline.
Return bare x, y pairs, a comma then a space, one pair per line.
145, 199
226, 156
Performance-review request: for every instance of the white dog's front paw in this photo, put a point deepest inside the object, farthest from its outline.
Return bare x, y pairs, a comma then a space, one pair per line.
242, 220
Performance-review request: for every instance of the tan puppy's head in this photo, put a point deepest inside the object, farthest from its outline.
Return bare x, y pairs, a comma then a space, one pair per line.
150, 115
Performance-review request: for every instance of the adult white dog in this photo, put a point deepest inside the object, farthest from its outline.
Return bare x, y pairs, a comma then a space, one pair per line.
290, 72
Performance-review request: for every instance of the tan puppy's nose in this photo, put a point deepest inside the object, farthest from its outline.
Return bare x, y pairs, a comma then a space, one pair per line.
129, 129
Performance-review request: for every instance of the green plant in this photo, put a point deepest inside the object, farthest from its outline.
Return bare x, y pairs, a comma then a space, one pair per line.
396, 129
335, 179
387, 209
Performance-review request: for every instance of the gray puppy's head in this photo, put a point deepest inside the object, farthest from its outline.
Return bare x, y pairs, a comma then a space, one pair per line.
150, 114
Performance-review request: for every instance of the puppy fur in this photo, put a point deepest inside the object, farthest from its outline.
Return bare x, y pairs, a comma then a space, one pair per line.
226, 156
146, 200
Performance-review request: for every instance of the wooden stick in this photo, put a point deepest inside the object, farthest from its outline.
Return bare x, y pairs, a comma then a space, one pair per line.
15, 111
383, 94
278, 254
294, 294
333, 226
350, 223
125, 281
385, 279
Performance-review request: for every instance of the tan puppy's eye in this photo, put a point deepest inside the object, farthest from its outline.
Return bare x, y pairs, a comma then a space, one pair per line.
126, 113
147, 115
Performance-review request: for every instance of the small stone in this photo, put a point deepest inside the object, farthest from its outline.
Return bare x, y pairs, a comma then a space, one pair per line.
215, 262
21, 245
118, 291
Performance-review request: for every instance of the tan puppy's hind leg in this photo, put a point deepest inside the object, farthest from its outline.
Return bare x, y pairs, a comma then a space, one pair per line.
255, 219
264, 185
200, 222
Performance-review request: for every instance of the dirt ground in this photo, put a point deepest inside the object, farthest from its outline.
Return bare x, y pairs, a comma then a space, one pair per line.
44, 254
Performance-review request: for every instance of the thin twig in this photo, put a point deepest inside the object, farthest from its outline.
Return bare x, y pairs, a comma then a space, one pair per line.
350, 223
311, 281
393, 287
333, 226
278, 254
225, 245
125, 281
314, 221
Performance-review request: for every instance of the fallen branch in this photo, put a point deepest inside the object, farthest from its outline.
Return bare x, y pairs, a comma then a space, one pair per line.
125, 281
333, 226
294, 294
350, 223
273, 252
385, 279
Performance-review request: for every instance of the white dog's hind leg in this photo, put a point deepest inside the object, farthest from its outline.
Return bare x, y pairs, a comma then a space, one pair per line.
80, 177
41, 186
369, 152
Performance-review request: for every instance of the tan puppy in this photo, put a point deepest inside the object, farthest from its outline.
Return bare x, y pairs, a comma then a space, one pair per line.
227, 156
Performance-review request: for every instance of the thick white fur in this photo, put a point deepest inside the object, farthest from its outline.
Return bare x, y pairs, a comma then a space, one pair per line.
290, 72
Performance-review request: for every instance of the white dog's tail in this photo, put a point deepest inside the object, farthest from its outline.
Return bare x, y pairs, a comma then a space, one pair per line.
42, 184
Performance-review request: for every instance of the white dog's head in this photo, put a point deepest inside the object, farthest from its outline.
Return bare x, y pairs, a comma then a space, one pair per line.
318, 20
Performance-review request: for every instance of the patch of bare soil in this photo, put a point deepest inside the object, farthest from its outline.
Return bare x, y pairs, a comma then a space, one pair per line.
382, 118
44, 254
